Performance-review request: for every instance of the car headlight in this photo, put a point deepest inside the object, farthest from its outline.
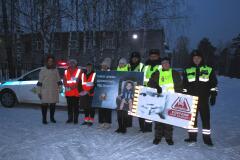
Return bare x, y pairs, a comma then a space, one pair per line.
1, 83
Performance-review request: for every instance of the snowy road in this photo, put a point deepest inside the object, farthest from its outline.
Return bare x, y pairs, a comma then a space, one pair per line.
23, 137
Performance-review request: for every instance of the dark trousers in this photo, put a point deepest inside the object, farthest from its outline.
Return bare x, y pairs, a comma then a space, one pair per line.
86, 104
129, 121
204, 110
44, 108
73, 108
104, 115
163, 130
122, 117
89, 112
145, 126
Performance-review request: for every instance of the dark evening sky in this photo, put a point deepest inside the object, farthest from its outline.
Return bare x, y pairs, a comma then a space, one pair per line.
219, 20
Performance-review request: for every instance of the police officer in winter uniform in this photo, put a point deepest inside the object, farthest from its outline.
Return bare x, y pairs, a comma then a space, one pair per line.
135, 66
152, 65
165, 80
86, 90
71, 76
200, 80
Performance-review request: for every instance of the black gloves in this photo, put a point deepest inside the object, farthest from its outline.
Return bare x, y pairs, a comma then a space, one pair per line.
159, 89
153, 84
212, 100
213, 95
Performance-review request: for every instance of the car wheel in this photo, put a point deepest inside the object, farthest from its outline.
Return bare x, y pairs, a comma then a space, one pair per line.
8, 99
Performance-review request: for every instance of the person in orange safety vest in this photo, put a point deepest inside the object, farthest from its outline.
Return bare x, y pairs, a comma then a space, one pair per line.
86, 90
70, 80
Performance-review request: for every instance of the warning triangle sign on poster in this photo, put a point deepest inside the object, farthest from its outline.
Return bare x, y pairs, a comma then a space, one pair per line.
181, 104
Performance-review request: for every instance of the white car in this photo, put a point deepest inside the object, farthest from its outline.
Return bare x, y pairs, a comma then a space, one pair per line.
23, 89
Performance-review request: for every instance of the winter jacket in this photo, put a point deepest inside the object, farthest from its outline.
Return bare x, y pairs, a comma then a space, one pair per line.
197, 87
80, 88
48, 85
154, 81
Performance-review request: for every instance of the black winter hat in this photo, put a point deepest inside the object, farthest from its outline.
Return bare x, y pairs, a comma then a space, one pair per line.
154, 51
135, 54
196, 53
89, 64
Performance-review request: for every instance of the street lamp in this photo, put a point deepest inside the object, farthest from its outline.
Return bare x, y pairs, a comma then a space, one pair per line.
135, 36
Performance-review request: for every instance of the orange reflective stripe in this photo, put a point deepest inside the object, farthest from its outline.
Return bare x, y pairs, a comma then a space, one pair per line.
71, 80
88, 83
85, 80
69, 77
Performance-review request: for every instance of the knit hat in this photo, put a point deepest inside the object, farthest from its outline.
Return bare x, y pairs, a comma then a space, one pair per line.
123, 61
107, 62
166, 59
72, 61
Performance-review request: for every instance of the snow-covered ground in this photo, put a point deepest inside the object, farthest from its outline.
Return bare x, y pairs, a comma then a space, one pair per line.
23, 137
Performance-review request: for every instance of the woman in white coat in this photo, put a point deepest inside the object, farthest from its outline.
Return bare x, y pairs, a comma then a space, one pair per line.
48, 88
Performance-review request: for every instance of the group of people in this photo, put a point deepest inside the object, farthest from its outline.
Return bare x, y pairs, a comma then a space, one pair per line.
198, 79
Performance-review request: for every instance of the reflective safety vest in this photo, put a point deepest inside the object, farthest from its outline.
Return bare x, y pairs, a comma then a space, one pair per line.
148, 71
71, 80
88, 83
139, 67
204, 74
166, 81
125, 68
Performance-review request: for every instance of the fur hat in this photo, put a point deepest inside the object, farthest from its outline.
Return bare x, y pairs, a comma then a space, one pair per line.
135, 54
154, 51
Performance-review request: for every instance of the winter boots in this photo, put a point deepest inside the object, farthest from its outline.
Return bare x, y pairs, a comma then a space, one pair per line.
88, 121
207, 140
156, 141
44, 108
192, 138
169, 141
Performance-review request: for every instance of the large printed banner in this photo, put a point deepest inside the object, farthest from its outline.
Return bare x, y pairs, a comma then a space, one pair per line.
172, 108
115, 89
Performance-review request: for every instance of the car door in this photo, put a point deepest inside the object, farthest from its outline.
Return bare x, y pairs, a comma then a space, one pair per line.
28, 87
62, 98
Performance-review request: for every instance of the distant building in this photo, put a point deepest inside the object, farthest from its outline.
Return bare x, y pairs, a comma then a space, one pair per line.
80, 46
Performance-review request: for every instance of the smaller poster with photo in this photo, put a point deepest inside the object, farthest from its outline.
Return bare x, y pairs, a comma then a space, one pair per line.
125, 98
115, 90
